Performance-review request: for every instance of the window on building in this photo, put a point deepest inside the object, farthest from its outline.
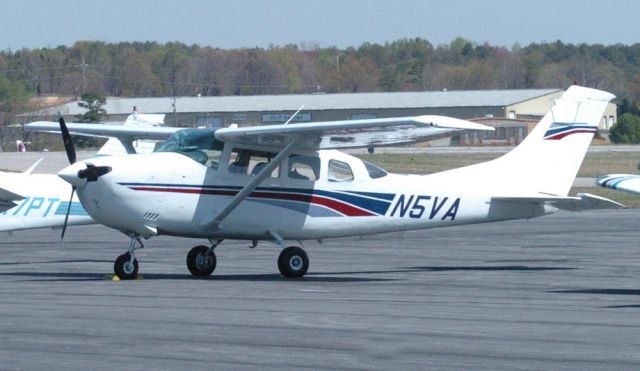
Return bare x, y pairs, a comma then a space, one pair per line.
363, 116
209, 122
501, 133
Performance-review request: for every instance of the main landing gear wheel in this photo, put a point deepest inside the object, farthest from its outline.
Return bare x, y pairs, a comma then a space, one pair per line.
293, 262
201, 261
124, 268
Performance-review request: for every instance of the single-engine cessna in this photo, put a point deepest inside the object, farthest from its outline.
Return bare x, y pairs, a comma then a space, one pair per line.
288, 183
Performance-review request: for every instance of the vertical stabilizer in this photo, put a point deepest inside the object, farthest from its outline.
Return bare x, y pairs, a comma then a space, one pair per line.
552, 153
547, 161
113, 146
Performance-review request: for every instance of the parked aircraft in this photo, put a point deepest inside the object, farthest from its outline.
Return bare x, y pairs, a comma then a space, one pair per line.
629, 183
287, 182
20, 147
30, 201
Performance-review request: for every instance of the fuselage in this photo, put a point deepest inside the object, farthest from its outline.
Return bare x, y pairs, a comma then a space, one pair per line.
43, 204
339, 195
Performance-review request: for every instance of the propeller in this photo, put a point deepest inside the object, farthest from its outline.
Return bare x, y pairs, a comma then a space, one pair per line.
68, 143
71, 155
91, 173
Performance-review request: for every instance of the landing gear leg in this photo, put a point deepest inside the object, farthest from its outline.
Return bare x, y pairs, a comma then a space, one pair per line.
201, 260
126, 265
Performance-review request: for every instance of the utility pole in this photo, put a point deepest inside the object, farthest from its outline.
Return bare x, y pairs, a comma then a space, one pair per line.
173, 105
84, 76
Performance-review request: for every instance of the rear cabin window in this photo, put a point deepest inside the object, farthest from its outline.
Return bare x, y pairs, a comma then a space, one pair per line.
339, 171
374, 171
250, 162
303, 167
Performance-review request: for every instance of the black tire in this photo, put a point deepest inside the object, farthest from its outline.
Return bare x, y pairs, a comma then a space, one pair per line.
123, 269
293, 262
200, 263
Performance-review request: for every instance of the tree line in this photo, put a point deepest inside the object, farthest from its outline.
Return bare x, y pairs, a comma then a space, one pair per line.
153, 69
176, 69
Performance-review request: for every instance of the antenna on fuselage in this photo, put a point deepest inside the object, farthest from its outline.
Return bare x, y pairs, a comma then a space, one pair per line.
294, 115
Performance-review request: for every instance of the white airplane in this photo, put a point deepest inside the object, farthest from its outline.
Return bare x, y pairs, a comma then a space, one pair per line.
629, 183
31, 201
287, 183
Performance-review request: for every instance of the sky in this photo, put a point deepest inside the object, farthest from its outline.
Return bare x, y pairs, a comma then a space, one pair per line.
260, 23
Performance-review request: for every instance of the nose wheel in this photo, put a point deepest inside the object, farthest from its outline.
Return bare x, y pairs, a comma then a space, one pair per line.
293, 262
201, 261
126, 267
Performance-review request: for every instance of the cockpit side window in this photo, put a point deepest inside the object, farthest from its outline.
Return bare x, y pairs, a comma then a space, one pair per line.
303, 167
339, 171
198, 144
374, 171
250, 162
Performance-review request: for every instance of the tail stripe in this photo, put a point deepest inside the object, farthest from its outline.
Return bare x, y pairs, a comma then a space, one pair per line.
557, 133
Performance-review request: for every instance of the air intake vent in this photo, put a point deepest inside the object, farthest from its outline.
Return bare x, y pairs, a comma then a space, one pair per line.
151, 216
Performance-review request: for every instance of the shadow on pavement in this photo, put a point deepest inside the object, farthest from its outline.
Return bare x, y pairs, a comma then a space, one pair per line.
81, 276
600, 291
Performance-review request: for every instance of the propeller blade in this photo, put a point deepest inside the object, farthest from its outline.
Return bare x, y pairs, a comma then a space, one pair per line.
66, 216
66, 139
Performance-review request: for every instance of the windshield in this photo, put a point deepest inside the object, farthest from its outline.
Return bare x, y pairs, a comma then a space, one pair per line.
198, 144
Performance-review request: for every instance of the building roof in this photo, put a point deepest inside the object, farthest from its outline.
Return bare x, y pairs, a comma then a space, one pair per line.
316, 102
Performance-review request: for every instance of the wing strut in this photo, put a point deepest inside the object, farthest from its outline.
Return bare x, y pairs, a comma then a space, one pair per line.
214, 222
127, 143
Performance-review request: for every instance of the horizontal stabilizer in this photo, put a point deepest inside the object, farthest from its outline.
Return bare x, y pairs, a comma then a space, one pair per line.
581, 202
8, 200
6, 205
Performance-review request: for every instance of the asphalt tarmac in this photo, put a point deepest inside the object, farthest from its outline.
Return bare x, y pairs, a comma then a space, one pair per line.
558, 292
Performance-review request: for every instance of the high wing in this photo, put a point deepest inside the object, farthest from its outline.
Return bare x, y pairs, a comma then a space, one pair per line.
310, 136
350, 133
621, 182
582, 202
8, 199
126, 133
